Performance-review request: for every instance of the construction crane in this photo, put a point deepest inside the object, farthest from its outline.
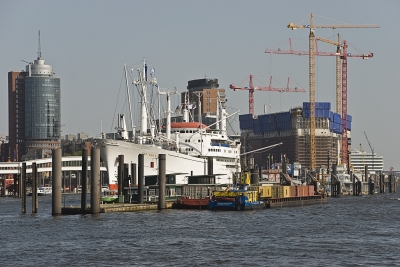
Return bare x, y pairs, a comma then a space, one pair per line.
362, 155
341, 79
312, 27
253, 88
372, 150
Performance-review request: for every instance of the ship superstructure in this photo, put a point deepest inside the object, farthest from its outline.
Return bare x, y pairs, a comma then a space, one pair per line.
191, 147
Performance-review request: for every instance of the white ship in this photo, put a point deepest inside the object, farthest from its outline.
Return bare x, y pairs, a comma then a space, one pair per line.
191, 148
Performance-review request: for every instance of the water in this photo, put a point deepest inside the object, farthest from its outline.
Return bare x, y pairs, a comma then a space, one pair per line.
349, 231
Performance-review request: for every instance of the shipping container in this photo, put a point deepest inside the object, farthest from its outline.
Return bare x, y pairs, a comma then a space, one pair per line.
265, 191
302, 191
286, 191
281, 192
275, 191
310, 190
293, 191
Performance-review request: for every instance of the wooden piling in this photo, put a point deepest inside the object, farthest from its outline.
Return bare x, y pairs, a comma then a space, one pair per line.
3, 192
126, 176
56, 183
35, 203
120, 174
133, 174
161, 180
84, 180
140, 177
23, 187
15, 191
391, 183
95, 181
210, 165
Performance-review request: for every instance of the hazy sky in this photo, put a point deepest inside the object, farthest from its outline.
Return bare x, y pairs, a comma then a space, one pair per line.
88, 42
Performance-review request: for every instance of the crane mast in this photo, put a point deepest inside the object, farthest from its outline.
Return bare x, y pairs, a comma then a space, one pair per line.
312, 94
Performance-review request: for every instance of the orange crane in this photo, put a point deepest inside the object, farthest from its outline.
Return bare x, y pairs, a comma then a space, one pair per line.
252, 88
341, 84
312, 27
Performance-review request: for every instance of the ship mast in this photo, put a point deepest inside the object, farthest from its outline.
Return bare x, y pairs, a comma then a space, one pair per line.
143, 114
185, 110
129, 102
168, 126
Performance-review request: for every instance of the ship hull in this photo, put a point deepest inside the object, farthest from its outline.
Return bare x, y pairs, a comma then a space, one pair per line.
179, 164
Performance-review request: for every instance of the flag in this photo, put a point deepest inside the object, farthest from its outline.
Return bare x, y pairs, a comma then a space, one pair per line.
152, 71
132, 69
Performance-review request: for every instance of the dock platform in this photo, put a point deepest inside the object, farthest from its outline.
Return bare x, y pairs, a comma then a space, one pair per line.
295, 201
114, 207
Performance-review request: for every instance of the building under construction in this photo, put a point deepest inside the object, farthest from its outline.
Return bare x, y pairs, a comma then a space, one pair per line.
292, 128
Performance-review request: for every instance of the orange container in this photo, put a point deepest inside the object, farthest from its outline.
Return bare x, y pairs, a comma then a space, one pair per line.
293, 191
310, 190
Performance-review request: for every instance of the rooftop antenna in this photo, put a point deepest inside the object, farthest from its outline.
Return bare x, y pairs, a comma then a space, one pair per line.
39, 48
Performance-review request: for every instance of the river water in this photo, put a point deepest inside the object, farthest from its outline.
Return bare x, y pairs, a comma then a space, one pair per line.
346, 231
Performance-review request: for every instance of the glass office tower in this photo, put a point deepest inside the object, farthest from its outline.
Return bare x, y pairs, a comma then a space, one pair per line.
42, 107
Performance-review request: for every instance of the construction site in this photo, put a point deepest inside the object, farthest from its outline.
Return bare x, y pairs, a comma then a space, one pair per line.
314, 135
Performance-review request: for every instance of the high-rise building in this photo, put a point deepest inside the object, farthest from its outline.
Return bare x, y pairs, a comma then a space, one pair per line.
16, 114
34, 110
208, 92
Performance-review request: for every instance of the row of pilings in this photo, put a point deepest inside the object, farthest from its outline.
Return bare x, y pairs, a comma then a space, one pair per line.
94, 181
56, 183
124, 179
376, 183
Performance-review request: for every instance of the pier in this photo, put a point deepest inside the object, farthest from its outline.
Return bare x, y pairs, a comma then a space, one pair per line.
114, 207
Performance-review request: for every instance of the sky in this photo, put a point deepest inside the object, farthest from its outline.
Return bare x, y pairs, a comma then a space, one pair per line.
88, 43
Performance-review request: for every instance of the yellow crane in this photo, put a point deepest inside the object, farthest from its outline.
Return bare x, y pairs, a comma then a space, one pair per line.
312, 27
